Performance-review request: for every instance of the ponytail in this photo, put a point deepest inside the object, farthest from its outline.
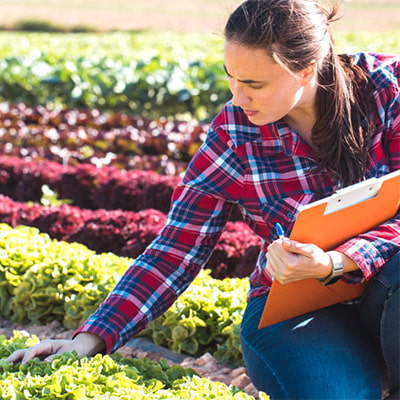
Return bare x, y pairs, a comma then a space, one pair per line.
342, 133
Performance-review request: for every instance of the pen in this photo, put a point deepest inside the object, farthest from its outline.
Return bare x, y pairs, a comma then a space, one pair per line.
279, 230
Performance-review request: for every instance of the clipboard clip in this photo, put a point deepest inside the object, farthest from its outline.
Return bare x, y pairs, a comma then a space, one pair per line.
353, 194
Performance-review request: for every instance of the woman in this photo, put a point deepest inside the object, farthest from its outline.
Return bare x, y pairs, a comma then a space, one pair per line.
302, 123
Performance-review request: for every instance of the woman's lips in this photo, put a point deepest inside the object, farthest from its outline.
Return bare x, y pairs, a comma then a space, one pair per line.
250, 113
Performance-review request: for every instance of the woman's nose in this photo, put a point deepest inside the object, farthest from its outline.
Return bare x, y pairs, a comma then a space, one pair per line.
240, 98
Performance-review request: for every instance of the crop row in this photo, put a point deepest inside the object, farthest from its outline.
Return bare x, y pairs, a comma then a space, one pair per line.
115, 45
74, 136
149, 75
43, 279
127, 233
169, 45
103, 377
151, 86
86, 185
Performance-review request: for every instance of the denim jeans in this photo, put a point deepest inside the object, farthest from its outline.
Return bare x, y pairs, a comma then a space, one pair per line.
339, 352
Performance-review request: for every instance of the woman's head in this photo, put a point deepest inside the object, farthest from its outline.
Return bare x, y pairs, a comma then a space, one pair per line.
294, 32
266, 91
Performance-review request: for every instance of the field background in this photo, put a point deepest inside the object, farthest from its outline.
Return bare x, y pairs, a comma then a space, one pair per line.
167, 62
180, 15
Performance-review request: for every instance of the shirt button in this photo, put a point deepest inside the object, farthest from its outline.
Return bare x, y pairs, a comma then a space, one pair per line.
289, 215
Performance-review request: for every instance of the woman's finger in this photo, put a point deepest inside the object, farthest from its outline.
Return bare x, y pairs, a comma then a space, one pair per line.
41, 350
85, 343
16, 356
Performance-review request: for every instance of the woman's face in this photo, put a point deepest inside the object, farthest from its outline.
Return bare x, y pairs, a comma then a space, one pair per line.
264, 89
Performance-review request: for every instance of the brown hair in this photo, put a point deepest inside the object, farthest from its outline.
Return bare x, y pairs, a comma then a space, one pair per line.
297, 33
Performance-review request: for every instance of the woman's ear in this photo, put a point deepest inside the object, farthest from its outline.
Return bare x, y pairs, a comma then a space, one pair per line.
309, 73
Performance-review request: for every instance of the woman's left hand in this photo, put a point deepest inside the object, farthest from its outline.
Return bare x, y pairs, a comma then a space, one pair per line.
290, 261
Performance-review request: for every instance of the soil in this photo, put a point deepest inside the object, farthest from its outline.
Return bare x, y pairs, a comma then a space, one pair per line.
206, 365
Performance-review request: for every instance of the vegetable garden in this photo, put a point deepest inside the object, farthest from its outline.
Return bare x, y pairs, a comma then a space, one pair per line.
95, 132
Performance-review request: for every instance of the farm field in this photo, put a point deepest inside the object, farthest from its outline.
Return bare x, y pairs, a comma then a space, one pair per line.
178, 16
95, 129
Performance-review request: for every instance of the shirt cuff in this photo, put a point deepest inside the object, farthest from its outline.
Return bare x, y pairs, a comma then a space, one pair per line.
365, 255
109, 339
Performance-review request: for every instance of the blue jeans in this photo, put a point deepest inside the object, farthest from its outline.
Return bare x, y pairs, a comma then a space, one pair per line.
339, 352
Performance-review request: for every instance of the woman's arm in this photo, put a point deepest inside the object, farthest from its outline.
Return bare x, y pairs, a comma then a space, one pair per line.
200, 208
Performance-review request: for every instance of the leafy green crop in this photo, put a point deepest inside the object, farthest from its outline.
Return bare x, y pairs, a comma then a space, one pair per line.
107, 377
128, 46
205, 318
151, 86
43, 280
148, 74
168, 45
385, 42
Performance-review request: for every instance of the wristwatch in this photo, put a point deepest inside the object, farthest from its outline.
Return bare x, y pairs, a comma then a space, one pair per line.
337, 268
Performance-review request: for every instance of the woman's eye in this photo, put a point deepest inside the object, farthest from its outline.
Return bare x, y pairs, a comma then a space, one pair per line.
256, 87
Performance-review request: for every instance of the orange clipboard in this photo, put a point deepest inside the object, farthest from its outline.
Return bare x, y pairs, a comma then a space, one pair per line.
328, 223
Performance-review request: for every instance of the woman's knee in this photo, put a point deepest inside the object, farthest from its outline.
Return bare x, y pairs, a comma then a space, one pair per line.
260, 372
282, 358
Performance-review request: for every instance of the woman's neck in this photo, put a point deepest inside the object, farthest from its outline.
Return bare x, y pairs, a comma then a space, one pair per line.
302, 119
303, 128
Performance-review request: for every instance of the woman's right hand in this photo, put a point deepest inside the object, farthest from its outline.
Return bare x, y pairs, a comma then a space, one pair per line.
85, 344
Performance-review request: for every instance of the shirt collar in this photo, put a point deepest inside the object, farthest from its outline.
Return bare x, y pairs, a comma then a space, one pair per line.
291, 143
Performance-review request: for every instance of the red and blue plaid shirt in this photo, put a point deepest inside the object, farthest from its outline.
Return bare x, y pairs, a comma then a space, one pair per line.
265, 171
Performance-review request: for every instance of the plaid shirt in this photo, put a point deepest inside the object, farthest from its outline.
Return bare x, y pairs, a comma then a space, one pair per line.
263, 170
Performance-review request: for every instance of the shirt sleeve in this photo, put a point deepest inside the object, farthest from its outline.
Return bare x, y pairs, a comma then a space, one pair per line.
200, 208
371, 250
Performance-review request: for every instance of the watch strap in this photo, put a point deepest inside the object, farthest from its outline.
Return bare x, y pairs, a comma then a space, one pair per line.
337, 268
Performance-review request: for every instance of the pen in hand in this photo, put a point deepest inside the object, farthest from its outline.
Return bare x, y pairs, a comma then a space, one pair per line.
279, 230
281, 233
